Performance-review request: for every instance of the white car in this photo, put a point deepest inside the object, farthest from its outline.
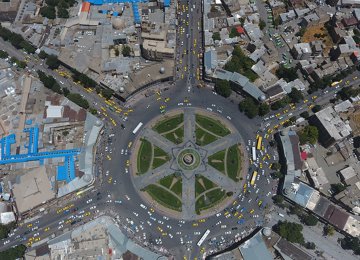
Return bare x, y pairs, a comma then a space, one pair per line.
228, 117
209, 109
143, 206
61, 226
165, 217
122, 151
127, 197
136, 214
93, 207
228, 233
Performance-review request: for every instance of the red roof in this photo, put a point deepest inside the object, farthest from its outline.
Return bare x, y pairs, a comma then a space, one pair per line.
240, 29
85, 7
303, 156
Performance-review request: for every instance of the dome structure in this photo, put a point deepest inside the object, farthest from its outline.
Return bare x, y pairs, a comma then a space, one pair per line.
121, 89
118, 23
266, 231
262, 98
98, 123
162, 70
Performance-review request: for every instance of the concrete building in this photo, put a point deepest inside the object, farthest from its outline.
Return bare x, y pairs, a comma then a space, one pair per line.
156, 50
309, 20
243, 83
316, 48
301, 51
54, 111
346, 174
331, 127
32, 189
275, 93
304, 195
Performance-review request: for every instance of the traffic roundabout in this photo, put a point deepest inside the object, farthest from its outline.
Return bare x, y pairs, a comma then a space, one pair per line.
189, 163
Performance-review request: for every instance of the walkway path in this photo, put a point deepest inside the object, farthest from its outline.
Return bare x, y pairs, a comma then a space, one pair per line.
158, 140
188, 197
223, 143
189, 125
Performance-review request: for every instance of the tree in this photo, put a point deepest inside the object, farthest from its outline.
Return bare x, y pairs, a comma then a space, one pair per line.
242, 21
216, 36
277, 175
77, 99
222, 87
288, 74
280, 103
295, 95
309, 134
65, 133
48, 12
305, 114
16, 252
352, 243
264, 109
65, 91
117, 52
107, 93
301, 32
52, 62
3, 54
290, 231
43, 55
329, 230
262, 24
276, 166
4, 231
316, 108
310, 220
93, 110
337, 188
295, 210
310, 245
233, 33
278, 199
126, 51
249, 107
62, 13
241, 63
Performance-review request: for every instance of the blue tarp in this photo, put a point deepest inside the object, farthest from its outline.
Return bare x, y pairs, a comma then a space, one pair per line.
66, 172
166, 3
137, 17
115, 13
28, 122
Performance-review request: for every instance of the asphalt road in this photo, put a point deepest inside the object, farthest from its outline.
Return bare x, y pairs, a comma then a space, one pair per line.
120, 188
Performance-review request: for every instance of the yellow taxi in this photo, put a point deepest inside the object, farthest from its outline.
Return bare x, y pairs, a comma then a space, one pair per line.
87, 213
46, 229
110, 180
252, 211
127, 163
108, 157
29, 225
195, 224
202, 220
130, 144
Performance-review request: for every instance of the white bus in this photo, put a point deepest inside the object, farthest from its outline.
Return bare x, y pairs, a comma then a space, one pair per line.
254, 153
202, 239
137, 128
